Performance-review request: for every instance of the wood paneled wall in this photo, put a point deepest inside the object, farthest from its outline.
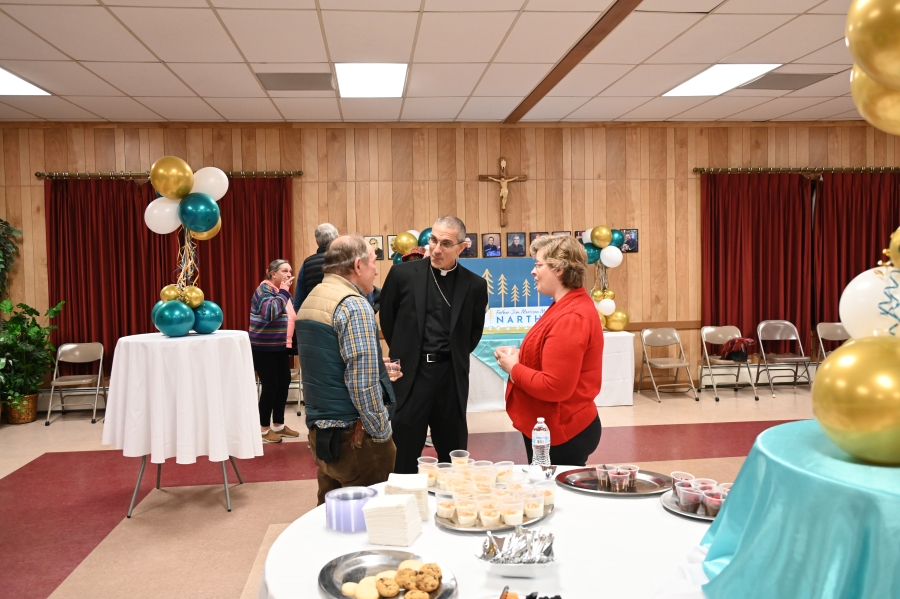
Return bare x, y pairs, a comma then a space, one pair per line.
381, 179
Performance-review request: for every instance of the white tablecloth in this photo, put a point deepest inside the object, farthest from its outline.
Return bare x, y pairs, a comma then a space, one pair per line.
605, 546
183, 397
487, 389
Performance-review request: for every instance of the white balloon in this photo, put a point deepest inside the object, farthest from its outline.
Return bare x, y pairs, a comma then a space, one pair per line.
611, 256
606, 306
211, 181
586, 236
859, 309
414, 233
161, 216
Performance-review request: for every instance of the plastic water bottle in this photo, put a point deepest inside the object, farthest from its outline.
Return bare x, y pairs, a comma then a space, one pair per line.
540, 444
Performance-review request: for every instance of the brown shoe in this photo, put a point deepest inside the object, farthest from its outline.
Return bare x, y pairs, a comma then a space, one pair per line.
271, 437
287, 432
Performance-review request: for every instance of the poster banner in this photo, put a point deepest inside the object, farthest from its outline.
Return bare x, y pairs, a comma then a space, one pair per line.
514, 305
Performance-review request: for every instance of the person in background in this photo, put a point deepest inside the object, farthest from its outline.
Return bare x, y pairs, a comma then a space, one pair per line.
310, 273
557, 372
271, 336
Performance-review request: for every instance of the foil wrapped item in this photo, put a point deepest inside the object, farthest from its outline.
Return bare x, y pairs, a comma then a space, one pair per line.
522, 546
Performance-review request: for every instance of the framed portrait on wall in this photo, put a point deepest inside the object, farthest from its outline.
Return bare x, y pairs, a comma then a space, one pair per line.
535, 234
391, 251
578, 235
631, 241
472, 250
377, 242
515, 244
491, 244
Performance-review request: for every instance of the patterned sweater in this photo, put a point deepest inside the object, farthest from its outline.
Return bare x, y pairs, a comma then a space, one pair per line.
269, 318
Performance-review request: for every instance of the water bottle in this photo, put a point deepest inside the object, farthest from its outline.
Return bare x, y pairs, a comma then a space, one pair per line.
540, 444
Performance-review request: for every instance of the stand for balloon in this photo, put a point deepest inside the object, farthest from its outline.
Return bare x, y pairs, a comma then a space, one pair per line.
604, 250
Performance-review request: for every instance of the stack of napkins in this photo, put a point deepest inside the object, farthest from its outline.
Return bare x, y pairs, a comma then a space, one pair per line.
411, 484
392, 520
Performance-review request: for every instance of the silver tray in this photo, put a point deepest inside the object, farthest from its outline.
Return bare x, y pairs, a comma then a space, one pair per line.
669, 502
353, 567
452, 525
584, 480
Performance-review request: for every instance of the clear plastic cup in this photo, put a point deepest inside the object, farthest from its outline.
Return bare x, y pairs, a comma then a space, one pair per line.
512, 511
603, 475
632, 471
459, 457
466, 512
427, 459
704, 488
504, 471
533, 505
482, 464
678, 475
446, 504
444, 469
484, 483
705, 481
431, 470
725, 486
548, 489
618, 480
680, 485
689, 499
712, 502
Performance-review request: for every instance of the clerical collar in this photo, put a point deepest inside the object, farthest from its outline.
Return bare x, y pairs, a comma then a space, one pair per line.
444, 273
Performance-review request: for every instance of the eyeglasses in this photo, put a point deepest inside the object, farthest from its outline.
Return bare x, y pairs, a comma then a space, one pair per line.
446, 244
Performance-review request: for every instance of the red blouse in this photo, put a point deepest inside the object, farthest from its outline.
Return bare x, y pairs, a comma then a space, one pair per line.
560, 370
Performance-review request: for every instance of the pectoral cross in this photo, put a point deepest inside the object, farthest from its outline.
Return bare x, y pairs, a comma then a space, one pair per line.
503, 180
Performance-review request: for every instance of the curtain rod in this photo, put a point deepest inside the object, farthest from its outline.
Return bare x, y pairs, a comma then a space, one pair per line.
808, 169
146, 175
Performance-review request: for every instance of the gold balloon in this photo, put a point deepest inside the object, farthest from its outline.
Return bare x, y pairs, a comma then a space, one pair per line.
596, 294
617, 321
602, 319
873, 37
169, 293
894, 249
193, 296
601, 236
856, 398
878, 104
206, 235
609, 294
404, 242
172, 177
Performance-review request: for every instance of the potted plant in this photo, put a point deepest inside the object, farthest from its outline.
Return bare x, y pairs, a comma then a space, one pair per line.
27, 356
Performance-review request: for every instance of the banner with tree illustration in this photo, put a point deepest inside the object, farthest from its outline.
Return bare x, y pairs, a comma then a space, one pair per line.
514, 305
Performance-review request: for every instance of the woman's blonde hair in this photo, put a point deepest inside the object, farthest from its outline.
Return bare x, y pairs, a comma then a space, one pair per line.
563, 253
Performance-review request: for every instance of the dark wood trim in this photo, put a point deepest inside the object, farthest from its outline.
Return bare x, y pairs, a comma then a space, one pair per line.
681, 325
602, 28
801, 170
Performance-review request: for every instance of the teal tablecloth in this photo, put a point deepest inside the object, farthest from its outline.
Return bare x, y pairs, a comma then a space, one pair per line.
805, 519
489, 344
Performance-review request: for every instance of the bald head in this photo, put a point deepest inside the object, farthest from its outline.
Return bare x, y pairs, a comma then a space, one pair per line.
349, 256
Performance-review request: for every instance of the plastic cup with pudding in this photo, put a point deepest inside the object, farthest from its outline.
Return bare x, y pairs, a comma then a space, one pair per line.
725, 486
632, 471
678, 475
703, 488
712, 502
501, 492
548, 489
705, 481
533, 505
477, 464
467, 516
444, 469
689, 499
512, 511
680, 485
431, 471
484, 483
504, 471
461, 484
426, 459
490, 517
603, 471
618, 480
446, 505
459, 457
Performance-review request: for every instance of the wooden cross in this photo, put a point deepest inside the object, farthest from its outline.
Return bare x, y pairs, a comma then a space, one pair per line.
503, 180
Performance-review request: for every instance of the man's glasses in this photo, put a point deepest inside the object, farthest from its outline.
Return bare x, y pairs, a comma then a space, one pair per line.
446, 244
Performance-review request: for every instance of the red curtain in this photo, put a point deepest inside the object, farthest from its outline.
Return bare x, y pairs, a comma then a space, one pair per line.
756, 251
109, 267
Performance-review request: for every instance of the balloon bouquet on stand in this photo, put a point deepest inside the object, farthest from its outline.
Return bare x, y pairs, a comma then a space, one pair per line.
187, 204
403, 243
604, 249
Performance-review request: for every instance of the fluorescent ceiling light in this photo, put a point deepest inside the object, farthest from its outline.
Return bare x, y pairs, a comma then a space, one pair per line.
720, 78
370, 79
10, 85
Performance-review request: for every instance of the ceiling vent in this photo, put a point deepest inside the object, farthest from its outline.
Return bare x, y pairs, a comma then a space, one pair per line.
785, 81
296, 82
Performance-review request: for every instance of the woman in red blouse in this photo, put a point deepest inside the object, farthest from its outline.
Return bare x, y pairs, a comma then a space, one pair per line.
556, 374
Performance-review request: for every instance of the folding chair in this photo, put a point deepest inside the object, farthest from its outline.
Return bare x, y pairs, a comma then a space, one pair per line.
719, 336
664, 338
781, 330
830, 331
77, 353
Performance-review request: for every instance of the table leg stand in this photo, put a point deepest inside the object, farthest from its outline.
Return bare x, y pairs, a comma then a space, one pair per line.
236, 471
137, 486
227, 494
158, 474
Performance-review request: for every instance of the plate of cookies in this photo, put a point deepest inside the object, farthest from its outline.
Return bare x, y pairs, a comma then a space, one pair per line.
385, 574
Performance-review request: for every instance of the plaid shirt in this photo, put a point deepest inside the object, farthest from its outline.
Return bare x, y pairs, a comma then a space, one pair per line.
354, 323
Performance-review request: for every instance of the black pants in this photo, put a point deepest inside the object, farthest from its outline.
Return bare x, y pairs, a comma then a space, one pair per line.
433, 402
274, 371
575, 451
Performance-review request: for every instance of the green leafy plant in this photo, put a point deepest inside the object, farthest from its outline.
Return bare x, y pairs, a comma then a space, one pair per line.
26, 354
8, 252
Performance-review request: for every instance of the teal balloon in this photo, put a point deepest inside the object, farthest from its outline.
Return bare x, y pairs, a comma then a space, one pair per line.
424, 236
174, 319
198, 212
593, 252
398, 258
618, 239
207, 317
153, 312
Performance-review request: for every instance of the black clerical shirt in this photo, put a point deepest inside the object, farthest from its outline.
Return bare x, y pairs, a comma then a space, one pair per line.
437, 314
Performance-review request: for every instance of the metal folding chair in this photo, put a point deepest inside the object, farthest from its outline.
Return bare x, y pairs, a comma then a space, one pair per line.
781, 330
830, 331
719, 336
664, 338
77, 353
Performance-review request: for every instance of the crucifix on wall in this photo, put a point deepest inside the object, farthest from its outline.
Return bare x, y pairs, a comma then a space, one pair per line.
503, 180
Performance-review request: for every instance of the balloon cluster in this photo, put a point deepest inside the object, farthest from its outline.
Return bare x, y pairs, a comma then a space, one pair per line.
873, 37
404, 242
187, 201
604, 248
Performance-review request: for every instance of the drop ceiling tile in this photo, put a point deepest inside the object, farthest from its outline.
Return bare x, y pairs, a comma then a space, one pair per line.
589, 79
245, 109
639, 36
801, 36
545, 37
762, 7
60, 78
824, 110
488, 109
568, 5
836, 53
309, 109
48, 107
720, 107
461, 36
62, 25
511, 79
773, 109
554, 109
160, 3
717, 36
652, 79
290, 67
766, 93
370, 36
606, 109
115, 109
181, 109
199, 37
18, 42
276, 35
140, 78
472, 5
295, 4
679, 5
837, 85
431, 109
850, 115
833, 7
811, 68
220, 80
427, 80
371, 109
664, 108
8, 113
57, 2
387, 5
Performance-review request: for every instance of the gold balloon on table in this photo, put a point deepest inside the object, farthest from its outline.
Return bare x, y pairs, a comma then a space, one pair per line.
207, 235
856, 398
169, 293
404, 242
596, 294
878, 104
873, 37
193, 296
617, 321
609, 294
172, 177
601, 236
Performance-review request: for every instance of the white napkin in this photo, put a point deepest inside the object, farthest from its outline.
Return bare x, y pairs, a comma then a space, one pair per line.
392, 520
410, 484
